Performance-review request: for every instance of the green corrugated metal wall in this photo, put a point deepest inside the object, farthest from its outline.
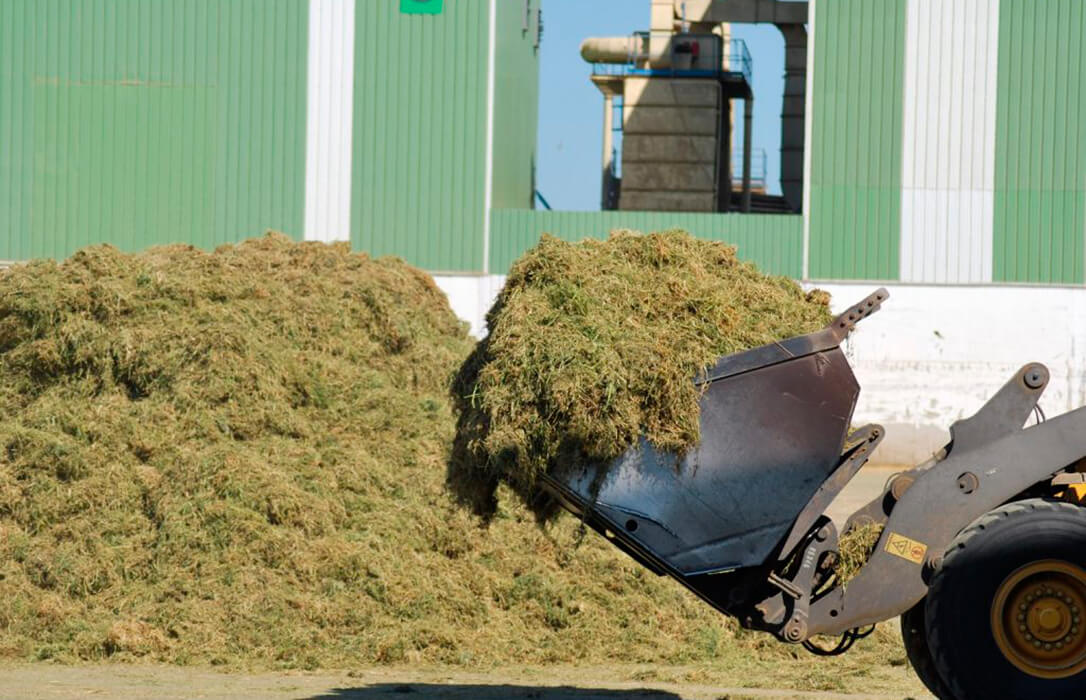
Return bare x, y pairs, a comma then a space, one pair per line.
419, 140
774, 242
855, 200
1040, 183
516, 104
140, 122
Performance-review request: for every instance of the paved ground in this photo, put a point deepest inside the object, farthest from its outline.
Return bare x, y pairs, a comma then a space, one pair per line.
167, 683
867, 484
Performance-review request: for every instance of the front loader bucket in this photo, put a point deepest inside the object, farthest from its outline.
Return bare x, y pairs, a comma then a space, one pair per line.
774, 421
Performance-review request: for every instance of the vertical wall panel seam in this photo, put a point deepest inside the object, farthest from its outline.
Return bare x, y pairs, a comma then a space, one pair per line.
1080, 175
847, 252
1038, 261
1036, 143
329, 121
413, 130
1051, 268
947, 141
908, 145
989, 143
808, 145
861, 239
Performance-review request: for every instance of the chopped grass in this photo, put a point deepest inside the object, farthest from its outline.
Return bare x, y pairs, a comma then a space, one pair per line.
237, 459
854, 549
593, 344
211, 457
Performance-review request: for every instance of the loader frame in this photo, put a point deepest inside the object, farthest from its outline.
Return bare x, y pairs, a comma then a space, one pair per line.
990, 460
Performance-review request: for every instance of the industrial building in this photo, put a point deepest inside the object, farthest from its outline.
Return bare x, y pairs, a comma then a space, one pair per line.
935, 147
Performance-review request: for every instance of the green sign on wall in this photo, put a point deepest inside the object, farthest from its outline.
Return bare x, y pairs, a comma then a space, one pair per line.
421, 7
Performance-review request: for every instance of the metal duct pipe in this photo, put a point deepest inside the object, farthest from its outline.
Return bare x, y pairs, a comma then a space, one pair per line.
741, 11
614, 49
748, 129
608, 151
793, 108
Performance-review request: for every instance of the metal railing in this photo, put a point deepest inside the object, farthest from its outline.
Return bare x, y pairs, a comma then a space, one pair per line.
735, 63
739, 56
758, 168
618, 107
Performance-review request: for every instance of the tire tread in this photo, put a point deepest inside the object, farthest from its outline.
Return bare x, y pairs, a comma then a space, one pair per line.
961, 543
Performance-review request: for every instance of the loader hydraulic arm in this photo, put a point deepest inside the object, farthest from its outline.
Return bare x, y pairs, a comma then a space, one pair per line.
990, 460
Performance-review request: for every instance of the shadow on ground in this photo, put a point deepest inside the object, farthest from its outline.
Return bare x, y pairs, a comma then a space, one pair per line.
460, 691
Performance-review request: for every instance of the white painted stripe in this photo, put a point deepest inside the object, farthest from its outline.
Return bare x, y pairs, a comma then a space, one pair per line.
329, 119
948, 140
489, 176
808, 119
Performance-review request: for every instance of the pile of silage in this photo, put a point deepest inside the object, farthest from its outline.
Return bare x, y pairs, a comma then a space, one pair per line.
193, 445
238, 459
593, 344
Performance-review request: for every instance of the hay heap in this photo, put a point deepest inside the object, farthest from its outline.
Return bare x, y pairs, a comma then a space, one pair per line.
194, 445
592, 344
238, 459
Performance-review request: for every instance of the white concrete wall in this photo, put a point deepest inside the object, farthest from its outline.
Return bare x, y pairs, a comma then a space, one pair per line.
932, 355
471, 296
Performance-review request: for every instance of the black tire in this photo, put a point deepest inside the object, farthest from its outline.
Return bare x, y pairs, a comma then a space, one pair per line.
914, 634
978, 564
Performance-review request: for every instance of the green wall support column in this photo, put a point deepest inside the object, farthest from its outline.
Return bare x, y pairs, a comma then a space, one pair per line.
857, 100
516, 104
1040, 167
419, 135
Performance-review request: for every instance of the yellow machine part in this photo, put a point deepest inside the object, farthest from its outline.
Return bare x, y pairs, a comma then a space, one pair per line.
1075, 493
1035, 619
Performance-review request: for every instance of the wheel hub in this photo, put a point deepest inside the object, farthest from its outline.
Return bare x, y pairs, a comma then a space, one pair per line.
1037, 619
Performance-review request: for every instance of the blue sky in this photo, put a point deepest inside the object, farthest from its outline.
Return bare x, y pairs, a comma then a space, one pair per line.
571, 108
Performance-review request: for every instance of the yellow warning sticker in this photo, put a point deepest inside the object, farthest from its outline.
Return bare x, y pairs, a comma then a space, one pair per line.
902, 546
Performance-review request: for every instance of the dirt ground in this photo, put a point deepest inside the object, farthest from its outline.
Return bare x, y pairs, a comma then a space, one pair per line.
612, 683
48, 681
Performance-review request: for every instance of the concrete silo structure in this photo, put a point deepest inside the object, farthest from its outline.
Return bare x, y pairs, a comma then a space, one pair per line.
676, 83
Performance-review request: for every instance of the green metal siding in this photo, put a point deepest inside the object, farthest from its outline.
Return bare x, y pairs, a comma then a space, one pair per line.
419, 135
774, 242
855, 201
516, 104
140, 122
1040, 209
